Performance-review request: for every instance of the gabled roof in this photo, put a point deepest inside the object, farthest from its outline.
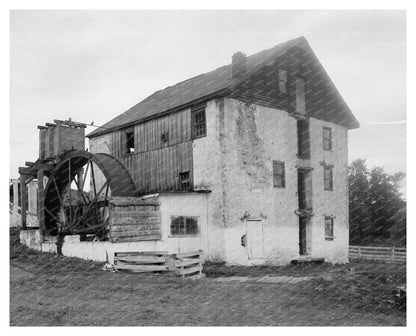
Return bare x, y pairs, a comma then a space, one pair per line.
185, 93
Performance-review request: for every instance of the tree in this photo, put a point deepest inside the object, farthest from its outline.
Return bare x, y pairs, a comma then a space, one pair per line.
375, 200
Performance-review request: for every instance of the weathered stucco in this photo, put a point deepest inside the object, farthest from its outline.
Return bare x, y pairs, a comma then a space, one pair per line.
190, 204
235, 161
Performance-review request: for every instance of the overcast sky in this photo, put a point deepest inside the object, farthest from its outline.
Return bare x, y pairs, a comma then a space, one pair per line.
93, 65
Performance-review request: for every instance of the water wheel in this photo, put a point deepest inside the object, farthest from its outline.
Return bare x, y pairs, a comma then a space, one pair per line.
68, 207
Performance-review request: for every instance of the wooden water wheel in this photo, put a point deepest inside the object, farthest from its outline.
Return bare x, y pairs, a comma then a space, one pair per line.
68, 207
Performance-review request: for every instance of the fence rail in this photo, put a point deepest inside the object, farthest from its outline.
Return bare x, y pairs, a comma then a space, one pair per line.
387, 253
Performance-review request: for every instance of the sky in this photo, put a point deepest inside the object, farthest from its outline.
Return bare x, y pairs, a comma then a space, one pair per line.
94, 65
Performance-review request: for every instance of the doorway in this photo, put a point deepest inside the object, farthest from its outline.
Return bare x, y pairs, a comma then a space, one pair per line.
255, 244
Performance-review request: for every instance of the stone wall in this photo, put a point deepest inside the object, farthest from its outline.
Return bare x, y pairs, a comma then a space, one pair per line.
208, 175
235, 161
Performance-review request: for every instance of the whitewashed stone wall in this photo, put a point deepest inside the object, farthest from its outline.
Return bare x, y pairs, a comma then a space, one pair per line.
235, 161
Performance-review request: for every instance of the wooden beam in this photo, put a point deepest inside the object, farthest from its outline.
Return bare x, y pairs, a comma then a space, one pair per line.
27, 171
41, 197
23, 202
50, 125
42, 127
29, 163
70, 123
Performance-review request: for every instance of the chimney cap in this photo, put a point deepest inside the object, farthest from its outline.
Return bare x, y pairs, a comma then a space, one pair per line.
239, 60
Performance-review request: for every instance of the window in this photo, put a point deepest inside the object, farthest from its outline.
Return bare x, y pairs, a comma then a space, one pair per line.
282, 81
278, 174
198, 122
184, 181
328, 178
329, 228
129, 141
300, 95
184, 226
327, 138
165, 138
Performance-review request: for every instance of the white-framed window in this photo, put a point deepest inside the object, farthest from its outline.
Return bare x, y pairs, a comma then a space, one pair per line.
184, 226
328, 178
327, 138
329, 228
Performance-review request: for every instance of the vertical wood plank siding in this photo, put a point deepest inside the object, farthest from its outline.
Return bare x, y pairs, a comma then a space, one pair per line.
156, 164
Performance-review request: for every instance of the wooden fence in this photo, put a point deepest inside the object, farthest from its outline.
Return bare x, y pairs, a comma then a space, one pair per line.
386, 253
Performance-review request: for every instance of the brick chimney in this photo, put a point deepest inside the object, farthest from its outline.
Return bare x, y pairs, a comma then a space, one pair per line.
239, 64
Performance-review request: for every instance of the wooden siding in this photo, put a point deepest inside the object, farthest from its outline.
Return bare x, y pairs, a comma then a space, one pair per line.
156, 164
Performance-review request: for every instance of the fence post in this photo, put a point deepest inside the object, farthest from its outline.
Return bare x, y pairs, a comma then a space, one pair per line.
359, 251
392, 254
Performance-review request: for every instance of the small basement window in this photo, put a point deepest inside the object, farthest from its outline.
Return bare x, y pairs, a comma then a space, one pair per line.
199, 127
129, 142
184, 226
328, 179
327, 138
278, 174
282, 81
184, 181
329, 228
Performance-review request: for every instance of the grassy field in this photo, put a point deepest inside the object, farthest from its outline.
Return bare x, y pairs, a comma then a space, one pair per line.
47, 289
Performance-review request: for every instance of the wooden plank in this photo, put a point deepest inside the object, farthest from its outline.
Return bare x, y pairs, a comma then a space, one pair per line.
143, 268
190, 270
143, 259
186, 125
144, 253
136, 233
134, 239
384, 248
188, 254
182, 263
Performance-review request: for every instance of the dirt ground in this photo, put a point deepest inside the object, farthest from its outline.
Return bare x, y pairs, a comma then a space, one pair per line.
51, 290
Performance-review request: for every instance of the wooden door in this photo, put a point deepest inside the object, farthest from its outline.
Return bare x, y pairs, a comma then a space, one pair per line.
255, 244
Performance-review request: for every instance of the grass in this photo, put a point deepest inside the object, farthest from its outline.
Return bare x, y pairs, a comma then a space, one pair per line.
47, 289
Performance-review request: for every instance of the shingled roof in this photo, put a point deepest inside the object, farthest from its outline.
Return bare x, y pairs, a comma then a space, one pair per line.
185, 93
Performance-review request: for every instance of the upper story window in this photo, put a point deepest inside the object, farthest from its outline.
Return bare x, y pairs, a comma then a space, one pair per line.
165, 138
328, 179
327, 138
282, 81
278, 174
184, 226
199, 128
329, 228
129, 141
300, 95
184, 181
